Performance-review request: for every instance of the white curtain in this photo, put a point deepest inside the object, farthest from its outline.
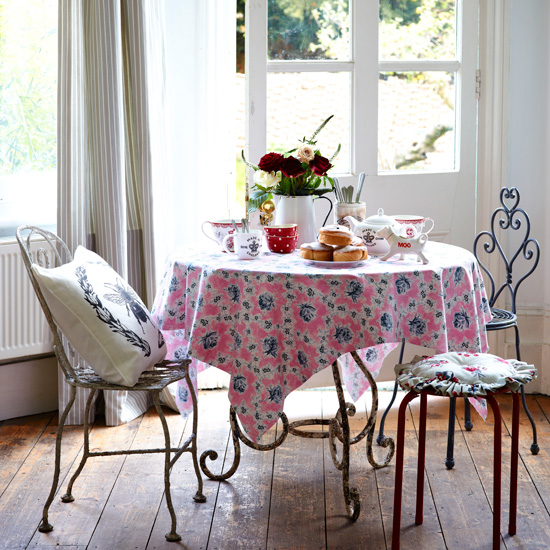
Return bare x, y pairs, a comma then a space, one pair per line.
110, 148
200, 83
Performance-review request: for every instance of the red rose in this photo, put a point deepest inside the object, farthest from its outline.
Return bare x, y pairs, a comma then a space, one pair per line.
320, 165
291, 167
270, 162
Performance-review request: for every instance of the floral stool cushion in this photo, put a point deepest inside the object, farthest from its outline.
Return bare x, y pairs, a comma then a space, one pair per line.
463, 374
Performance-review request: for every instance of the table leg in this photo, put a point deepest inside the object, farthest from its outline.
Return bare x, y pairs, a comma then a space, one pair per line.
339, 429
371, 423
238, 435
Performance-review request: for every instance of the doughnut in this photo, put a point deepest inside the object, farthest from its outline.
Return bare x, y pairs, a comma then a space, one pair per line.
337, 235
316, 251
357, 241
348, 254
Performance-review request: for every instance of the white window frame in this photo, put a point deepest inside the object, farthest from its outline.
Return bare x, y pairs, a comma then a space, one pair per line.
365, 68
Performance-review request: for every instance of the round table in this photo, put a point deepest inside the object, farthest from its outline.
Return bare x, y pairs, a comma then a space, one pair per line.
272, 323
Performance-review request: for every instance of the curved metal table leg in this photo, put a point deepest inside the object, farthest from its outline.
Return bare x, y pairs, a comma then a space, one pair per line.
238, 435
339, 429
371, 423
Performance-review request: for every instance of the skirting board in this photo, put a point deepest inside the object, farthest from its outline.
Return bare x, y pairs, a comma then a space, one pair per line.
28, 387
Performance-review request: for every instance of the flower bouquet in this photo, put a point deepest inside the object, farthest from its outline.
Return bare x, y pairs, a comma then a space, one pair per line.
299, 175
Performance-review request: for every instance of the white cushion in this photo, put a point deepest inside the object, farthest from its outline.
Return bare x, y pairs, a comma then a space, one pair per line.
464, 374
102, 317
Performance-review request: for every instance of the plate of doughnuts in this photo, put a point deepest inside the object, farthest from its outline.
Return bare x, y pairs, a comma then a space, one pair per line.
335, 265
336, 247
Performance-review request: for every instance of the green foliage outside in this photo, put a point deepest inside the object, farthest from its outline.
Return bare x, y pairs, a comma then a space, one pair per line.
319, 29
28, 85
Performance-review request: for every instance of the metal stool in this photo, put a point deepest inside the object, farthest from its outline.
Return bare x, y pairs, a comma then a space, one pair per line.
420, 380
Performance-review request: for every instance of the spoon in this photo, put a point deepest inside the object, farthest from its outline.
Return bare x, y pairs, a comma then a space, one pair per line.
360, 186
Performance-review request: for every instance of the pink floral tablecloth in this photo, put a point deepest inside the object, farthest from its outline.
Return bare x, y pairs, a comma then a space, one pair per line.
272, 323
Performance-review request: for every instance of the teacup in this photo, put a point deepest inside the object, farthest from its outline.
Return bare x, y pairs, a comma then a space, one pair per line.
220, 229
285, 230
417, 223
247, 245
281, 245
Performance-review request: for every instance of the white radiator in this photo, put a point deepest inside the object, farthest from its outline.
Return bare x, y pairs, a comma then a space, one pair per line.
23, 328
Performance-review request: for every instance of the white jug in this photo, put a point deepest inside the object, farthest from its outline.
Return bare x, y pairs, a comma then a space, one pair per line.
300, 210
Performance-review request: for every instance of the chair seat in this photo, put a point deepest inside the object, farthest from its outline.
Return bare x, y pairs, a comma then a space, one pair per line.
502, 318
457, 374
157, 378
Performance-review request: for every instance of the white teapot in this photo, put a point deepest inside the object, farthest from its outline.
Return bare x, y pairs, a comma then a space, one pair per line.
367, 229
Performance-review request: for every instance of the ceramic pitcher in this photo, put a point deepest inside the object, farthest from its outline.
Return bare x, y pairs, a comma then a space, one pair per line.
300, 210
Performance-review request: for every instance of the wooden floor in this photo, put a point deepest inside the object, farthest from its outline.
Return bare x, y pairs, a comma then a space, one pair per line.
287, 498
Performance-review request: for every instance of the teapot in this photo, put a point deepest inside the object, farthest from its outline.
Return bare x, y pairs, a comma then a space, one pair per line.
367, 229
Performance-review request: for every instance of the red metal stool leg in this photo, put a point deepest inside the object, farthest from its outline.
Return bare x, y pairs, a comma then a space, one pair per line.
514, 466
497, 473
399, 459
419, 518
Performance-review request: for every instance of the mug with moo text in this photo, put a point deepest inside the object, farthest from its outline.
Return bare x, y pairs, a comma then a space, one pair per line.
247, 245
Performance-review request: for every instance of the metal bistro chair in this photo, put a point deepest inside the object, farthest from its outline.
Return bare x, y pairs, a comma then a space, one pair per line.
509, 217
79, 375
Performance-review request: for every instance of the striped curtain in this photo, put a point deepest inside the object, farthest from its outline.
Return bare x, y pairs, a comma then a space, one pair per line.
110, 148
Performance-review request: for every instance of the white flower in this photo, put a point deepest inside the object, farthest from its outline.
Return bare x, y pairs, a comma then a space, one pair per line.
267, 179
305, 152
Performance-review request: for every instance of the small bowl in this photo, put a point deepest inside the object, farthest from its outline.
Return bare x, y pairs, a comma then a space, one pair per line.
281, 245
285, 230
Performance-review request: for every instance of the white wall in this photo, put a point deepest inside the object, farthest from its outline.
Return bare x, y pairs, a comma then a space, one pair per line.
529, 167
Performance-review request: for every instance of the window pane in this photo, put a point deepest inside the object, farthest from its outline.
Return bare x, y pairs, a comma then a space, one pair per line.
297, 103
308, 29
416, 121
417, 29
28, 81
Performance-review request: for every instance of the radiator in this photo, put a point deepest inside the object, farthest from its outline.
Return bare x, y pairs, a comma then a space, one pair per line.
23, 328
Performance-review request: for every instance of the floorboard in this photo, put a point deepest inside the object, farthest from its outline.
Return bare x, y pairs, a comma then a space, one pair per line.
288, 498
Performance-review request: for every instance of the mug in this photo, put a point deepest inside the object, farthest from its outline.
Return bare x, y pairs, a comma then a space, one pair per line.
220, 230
418, 223
247, 245
357, 210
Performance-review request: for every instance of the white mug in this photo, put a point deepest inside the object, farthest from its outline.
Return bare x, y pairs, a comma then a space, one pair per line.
247, 245
417, 222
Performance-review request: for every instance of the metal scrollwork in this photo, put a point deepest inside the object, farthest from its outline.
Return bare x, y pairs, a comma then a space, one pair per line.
508, 216
371, 423
338, 434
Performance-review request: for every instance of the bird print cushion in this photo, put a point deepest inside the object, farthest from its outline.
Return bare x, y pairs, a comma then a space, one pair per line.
102, 317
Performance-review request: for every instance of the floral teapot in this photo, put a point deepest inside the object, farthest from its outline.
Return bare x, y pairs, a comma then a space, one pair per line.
367, 229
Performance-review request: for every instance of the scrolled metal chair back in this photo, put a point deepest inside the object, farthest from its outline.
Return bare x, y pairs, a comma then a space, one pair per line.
508, 216
38, 247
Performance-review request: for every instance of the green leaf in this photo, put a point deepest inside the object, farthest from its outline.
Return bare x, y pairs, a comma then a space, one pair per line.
257, 199
250, 165
334, 155
321, 126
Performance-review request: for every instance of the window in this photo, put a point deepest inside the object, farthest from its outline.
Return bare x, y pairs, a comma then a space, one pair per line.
400, 78
28, 91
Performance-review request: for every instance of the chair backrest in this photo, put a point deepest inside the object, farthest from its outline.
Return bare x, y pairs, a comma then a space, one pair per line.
39, 246
508, 217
